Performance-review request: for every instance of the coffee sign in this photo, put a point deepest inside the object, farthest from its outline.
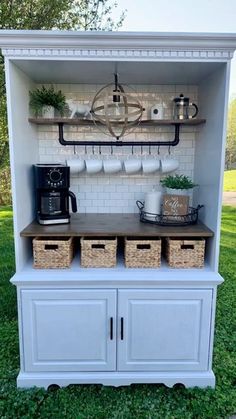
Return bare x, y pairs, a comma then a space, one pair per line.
175, 205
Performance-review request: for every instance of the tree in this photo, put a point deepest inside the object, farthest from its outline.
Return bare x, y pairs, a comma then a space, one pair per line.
34, 14
230, 155
45, 14
94, 15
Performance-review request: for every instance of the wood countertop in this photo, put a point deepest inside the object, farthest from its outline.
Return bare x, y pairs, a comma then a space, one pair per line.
113, 225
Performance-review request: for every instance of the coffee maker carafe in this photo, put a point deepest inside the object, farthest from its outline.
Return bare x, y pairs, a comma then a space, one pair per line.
52, 182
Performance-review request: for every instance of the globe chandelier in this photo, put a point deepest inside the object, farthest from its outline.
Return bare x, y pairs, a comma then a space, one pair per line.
115, 109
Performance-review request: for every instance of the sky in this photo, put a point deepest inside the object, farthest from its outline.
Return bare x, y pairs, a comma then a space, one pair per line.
181, 16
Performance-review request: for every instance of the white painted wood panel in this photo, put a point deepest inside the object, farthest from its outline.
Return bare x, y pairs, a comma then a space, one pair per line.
164, 330
23, 146
69, 330
209, 155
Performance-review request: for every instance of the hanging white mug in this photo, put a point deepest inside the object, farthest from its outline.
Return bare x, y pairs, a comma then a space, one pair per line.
168, 165
76, 166
93, 166
112, 166
132, 166
150, 166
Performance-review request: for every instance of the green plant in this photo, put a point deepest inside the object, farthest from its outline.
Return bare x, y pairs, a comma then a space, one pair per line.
177, 182
47, 97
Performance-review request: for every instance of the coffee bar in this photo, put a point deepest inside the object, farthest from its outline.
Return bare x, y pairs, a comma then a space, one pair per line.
117, 203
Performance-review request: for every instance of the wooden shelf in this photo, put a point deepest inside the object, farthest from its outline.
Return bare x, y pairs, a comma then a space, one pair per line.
82, 122
119, 225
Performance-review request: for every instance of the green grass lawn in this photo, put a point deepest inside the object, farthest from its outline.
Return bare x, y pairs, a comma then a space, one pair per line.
230, 181
136, 401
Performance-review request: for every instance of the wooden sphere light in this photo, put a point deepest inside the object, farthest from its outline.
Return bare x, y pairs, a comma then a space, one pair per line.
116, 110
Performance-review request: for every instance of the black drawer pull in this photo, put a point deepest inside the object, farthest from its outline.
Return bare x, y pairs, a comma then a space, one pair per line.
111, 328
122, 328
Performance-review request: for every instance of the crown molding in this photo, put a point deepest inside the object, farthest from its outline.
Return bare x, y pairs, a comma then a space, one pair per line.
71, 39
117, 54
157, 45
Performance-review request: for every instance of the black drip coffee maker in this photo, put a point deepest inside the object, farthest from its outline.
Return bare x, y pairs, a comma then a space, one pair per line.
52, 183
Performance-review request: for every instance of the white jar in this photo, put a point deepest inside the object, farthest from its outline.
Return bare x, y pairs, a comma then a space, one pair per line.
156, 111
152, 204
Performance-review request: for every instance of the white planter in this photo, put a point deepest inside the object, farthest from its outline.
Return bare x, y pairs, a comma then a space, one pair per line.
48, 112
184, 192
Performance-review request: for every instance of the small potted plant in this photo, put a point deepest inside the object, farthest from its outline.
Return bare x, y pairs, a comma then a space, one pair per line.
177, 184
44, 101
176, 200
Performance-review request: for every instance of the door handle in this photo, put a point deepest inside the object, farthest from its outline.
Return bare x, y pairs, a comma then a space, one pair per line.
122, 328
111, 328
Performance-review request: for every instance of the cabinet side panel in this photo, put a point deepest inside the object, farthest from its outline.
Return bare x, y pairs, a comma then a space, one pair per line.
209, 154
23, 153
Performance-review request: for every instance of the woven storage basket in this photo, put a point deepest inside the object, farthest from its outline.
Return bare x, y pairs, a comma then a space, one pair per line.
142, 253
98, 252
52, 253
185, 253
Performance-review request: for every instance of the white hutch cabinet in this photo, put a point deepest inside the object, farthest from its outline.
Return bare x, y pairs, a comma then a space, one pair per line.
117, 326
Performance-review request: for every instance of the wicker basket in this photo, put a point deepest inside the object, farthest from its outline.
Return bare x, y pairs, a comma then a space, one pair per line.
142, 253
52, 253
187, 253
98, 252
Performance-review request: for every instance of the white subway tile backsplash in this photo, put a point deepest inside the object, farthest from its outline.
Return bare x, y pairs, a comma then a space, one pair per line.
86, 202
91, 195
101, 193
91, 209
84, 187
122, 188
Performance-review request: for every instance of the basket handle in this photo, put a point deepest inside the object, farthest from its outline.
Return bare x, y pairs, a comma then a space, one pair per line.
187, 246
51, 247
143, 246
140, 205
98, 246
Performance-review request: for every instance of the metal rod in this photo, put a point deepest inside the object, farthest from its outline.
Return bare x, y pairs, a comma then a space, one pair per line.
118, 143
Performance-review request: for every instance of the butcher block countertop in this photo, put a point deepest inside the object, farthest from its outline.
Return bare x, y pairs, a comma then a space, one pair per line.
113, 225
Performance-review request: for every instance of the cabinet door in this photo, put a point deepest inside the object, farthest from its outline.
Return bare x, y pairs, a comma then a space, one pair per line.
69, 330
164, 330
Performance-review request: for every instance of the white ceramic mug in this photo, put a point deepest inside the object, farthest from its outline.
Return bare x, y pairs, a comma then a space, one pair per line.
112, 166
76, 166
93, 166
132, 166
150, 166
168, 165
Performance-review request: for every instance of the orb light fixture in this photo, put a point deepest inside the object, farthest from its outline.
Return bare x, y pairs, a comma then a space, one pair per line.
116, 110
